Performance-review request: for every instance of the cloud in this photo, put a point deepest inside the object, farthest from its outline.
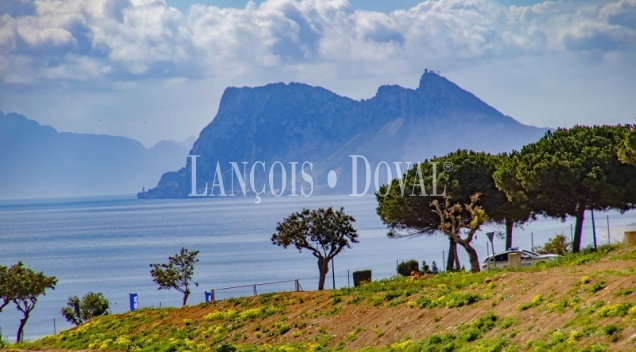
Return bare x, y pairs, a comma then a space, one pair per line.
138, 39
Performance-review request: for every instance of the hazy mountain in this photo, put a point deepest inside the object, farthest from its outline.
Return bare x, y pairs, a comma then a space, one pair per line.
38, 161
189, 142
297, 122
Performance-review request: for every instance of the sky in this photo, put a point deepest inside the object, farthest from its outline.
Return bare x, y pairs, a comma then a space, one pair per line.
154, 70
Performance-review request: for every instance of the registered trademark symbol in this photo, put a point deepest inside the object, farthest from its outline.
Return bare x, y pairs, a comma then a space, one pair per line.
448, 166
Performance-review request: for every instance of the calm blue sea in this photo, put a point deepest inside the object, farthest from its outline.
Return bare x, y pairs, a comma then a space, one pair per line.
106, 245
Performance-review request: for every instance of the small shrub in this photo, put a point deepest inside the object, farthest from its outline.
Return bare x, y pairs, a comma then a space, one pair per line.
355, 300
226, 347
406, 268
423, 302
557, 245
616, 310
625, 292
598, 286
458, 299
612, 331
283, 328
536, 300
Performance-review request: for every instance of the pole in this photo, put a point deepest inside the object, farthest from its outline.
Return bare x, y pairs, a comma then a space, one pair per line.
609, 241
54, 327
444, 260
159, 304
488, 255
348, 278
333, 274
593, 225
532, 240
254, 286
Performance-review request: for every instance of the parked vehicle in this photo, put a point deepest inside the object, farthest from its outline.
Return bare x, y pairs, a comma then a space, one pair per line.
500, 260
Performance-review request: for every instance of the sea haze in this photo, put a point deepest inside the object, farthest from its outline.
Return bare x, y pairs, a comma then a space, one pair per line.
106, 245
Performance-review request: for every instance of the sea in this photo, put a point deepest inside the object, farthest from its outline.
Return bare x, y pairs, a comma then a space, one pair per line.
106, 244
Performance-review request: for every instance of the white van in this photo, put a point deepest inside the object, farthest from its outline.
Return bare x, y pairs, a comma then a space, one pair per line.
500, 260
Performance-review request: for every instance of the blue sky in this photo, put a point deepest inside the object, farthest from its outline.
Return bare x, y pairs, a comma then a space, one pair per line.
152, 70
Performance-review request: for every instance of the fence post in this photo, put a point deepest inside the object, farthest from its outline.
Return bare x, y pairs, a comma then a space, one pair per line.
443, 261
212, 298
348, 278
54, 327
254, 290
532, 241
609, 241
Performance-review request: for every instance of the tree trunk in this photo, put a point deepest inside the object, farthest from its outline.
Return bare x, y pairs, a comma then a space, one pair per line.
509, 225
23, 322
578, 229
458, 266
472, 255
323, 268
450, 261
185, 297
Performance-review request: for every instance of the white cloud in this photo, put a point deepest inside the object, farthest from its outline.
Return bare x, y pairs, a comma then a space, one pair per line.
125, 39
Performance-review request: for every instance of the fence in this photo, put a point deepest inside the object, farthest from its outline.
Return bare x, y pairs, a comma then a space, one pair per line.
214, 292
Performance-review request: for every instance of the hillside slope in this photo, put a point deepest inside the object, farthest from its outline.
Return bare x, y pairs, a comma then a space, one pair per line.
585, 305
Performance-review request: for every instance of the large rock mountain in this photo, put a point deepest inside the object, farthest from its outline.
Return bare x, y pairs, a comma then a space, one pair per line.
297, 122
38, 161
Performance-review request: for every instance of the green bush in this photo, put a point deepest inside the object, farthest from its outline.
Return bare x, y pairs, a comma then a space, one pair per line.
226, 347
91, 305
557, 245
406, 268
612, 331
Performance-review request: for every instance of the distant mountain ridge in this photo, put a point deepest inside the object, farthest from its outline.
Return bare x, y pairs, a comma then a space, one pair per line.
296, 122
38, 161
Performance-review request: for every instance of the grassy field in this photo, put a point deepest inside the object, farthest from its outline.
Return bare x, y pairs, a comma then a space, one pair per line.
580, 302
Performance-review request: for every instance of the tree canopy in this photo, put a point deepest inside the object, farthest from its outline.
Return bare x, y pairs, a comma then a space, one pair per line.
568, 171
24, 286
5, 292
177, 273
407, 210
627, 149
91, 305
323, 232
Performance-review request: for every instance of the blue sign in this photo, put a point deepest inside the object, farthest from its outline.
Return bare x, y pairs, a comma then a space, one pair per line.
134, 302
208, 296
